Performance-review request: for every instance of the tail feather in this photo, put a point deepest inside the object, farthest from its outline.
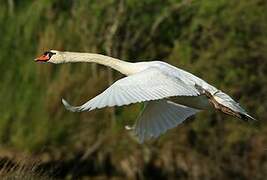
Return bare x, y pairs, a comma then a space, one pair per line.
226, 104
247, 117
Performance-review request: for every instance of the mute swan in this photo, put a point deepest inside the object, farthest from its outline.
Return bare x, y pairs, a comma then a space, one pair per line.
154, 83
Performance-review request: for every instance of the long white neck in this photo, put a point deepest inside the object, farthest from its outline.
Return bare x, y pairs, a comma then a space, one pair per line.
125, 68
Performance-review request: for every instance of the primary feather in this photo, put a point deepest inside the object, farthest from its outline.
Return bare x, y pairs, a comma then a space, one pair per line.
159, 116
138, 87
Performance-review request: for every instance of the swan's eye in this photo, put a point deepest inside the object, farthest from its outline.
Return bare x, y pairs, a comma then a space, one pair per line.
49, 54
45, 57
46, 52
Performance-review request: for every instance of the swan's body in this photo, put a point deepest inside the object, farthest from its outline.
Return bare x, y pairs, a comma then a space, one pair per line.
154, 83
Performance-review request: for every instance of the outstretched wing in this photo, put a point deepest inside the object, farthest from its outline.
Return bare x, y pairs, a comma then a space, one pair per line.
159, 116
150, 84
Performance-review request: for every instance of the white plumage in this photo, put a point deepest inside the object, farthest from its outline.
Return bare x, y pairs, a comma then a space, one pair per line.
159, 116
153, 83
138, 87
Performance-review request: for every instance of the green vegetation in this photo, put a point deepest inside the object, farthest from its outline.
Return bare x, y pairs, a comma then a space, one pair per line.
224, 42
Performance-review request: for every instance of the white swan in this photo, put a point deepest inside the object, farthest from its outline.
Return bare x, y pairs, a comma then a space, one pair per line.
156, 83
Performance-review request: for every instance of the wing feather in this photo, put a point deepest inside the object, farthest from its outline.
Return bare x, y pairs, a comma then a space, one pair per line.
159, 116
150, 84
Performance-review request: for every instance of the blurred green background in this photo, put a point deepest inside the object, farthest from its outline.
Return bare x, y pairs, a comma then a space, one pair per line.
223, 42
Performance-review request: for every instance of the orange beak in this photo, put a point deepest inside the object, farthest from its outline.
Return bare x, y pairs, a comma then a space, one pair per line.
42, 58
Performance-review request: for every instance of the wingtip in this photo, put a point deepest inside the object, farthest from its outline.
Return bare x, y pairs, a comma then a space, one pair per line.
64, 102
129, 128
68, 106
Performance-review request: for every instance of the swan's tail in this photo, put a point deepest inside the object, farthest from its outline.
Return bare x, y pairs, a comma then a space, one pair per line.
227, 105
222, 102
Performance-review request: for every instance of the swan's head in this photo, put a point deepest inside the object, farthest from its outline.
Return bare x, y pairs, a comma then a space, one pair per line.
51, 56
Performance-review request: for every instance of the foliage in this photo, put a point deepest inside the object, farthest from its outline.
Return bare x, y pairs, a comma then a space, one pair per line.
224, 42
